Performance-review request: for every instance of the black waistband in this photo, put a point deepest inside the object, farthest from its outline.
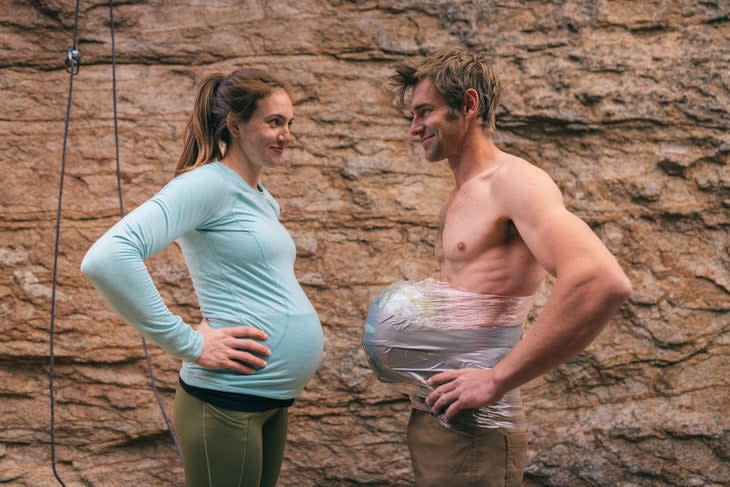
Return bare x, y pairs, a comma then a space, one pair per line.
235, 401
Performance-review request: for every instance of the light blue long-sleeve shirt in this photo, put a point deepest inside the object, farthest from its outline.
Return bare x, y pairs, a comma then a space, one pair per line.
241, 261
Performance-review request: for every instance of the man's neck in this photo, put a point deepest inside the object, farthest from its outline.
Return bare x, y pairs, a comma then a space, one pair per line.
477, 154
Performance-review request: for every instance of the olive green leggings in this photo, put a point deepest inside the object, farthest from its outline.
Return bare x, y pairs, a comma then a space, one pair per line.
224, 448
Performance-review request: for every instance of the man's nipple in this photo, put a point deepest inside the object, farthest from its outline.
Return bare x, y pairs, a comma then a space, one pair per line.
461, 246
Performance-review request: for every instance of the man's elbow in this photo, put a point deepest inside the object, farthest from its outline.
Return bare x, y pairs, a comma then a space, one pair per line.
616, 287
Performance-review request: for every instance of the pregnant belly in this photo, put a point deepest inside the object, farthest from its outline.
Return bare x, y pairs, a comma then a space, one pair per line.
296, 350
297, 354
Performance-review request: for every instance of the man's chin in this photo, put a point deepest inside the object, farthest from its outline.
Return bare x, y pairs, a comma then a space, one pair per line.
434, 157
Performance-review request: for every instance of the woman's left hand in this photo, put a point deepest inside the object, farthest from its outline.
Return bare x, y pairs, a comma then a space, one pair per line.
236, 348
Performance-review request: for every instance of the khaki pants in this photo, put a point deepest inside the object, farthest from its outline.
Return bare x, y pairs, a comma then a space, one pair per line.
442, 457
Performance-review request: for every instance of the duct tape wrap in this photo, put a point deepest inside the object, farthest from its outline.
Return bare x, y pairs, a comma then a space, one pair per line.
417, 329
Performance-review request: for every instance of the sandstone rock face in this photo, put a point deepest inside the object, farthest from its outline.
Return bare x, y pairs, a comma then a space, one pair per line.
626, 104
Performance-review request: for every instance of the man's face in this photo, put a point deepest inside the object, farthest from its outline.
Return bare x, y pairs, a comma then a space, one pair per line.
439, 128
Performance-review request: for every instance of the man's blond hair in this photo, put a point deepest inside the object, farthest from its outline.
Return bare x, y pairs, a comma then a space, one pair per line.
453, 71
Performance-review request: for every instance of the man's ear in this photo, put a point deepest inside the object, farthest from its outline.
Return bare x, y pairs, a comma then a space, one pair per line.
471, 102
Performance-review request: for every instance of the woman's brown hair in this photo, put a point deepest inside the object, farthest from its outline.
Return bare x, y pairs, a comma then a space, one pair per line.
217, 96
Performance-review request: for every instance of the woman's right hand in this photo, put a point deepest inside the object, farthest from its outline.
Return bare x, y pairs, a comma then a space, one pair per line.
236, 348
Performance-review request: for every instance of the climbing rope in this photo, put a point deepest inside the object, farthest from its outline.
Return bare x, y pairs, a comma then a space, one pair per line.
73, 65
148, 361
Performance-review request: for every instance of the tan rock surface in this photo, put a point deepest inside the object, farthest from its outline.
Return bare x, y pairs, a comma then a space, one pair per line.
624, 103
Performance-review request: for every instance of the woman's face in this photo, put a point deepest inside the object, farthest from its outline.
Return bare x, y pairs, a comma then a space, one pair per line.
263, 138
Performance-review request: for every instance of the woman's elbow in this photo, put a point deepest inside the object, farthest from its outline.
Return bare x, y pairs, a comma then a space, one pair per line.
93, 264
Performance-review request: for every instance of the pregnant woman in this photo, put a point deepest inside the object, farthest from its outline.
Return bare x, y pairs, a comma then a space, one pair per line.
260, 340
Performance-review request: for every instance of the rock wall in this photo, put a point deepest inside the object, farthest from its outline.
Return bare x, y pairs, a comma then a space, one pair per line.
624, 103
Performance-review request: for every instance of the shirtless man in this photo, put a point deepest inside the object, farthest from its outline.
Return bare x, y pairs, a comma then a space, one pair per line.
503, 228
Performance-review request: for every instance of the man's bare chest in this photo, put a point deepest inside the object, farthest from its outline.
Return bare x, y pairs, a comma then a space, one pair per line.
469, 227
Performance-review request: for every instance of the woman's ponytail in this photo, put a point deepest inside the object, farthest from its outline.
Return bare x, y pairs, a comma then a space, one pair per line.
200, 144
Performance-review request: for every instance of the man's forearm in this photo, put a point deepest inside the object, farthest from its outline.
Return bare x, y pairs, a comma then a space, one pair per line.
577, 311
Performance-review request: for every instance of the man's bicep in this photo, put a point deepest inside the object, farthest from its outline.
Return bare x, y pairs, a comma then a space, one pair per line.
560, 241
557, 238
533, 202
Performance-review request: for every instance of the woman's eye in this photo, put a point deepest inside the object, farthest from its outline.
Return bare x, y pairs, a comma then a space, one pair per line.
274, 123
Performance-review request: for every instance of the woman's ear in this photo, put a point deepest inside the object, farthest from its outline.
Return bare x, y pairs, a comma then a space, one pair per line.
232, 124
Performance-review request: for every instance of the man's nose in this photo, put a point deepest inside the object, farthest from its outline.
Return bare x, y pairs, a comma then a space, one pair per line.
416, 126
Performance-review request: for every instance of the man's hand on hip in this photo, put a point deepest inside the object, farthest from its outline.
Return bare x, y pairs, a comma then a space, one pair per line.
456, 390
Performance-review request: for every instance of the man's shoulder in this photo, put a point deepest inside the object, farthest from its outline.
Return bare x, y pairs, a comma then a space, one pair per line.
520, 182
511, 165
514, 171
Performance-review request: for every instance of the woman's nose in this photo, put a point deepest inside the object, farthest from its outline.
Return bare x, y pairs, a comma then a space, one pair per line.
285, 135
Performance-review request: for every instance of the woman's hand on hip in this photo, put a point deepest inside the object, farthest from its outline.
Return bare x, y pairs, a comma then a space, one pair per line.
236, 348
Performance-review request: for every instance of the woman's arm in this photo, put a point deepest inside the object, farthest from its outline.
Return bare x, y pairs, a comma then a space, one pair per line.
115, 266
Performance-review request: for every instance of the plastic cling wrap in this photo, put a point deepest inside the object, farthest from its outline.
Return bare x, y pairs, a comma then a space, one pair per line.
417, 329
